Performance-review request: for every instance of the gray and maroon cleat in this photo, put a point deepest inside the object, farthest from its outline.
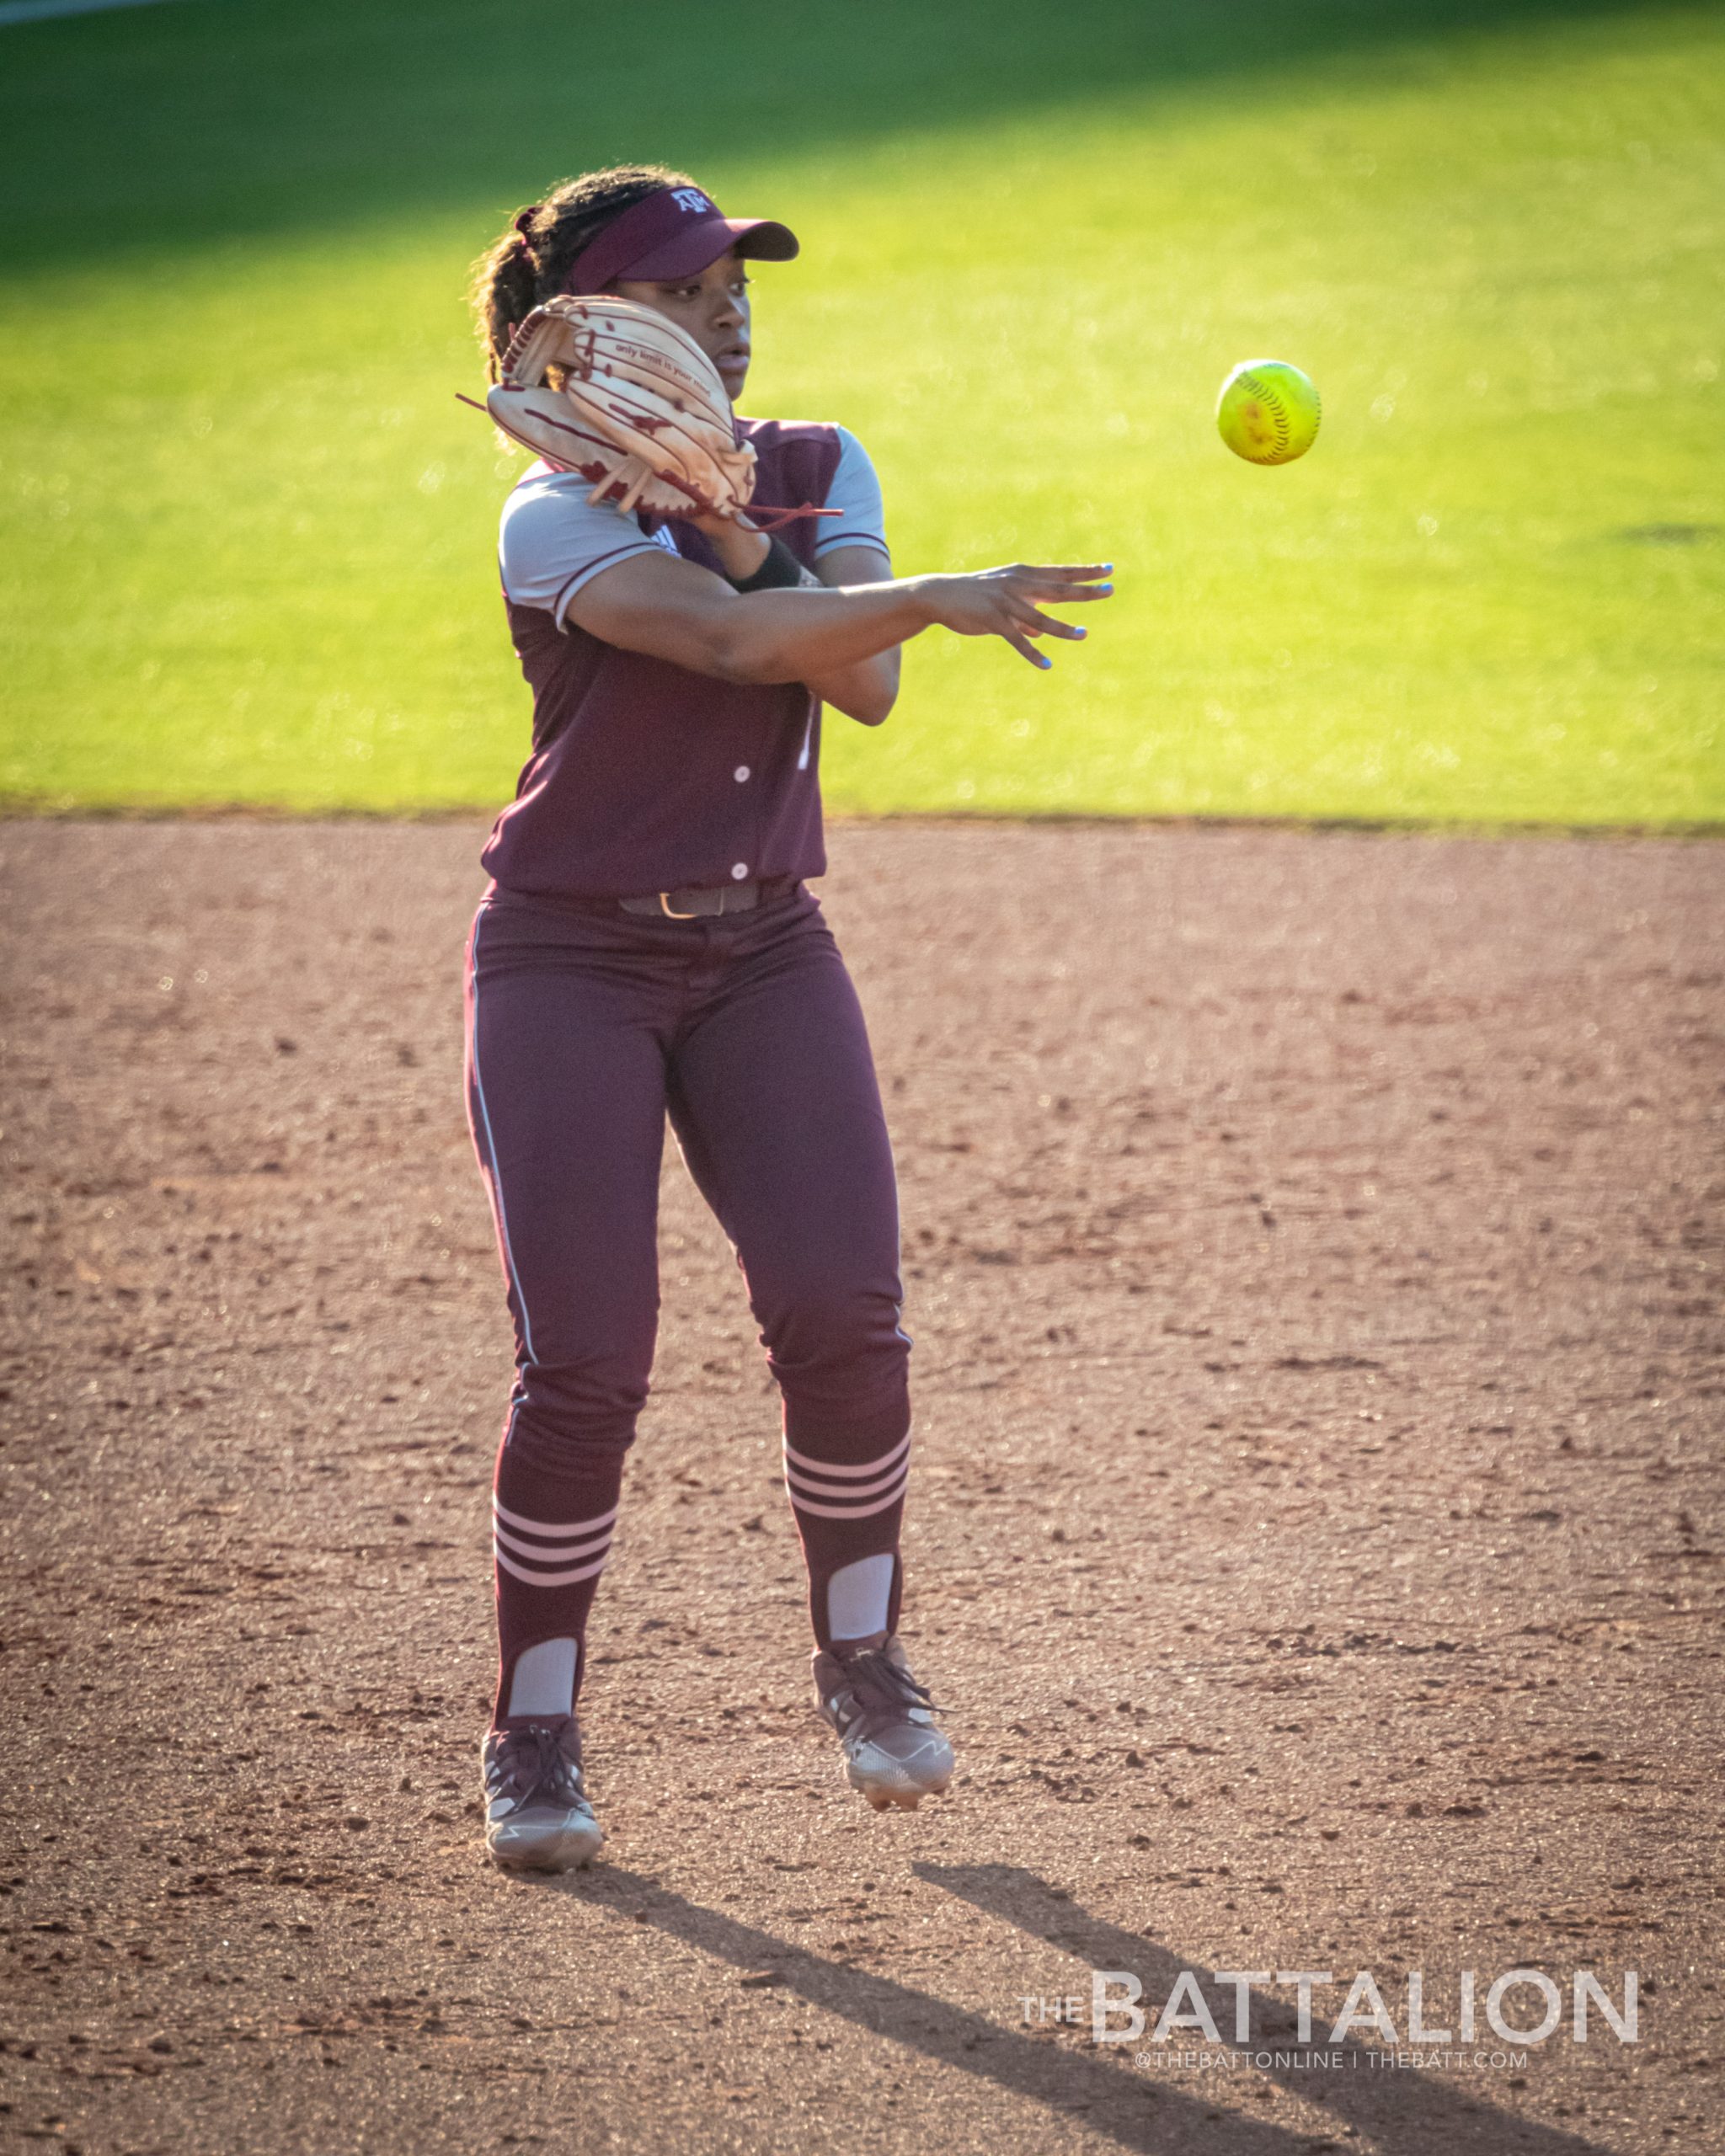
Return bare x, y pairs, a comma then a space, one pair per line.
892, 1752
537, 1817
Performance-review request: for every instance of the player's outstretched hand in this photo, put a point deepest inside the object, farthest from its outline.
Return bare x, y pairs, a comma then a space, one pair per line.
1008, 602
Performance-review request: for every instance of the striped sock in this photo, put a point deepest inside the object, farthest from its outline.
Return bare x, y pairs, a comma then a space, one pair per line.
847, 1508
551, 1534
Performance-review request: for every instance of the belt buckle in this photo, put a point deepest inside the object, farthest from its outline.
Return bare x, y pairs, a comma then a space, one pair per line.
670, 910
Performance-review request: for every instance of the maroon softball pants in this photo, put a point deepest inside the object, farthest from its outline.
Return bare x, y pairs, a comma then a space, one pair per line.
585, 1030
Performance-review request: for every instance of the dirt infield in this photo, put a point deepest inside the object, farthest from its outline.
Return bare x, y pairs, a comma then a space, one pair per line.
1313, 1256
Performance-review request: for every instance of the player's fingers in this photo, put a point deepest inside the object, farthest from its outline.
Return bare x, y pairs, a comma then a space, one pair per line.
1065, 572
1033, 623
1026, 650
1062, 595
1057, 594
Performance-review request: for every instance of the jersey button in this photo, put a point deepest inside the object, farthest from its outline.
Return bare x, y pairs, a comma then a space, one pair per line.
741, 773
739, 869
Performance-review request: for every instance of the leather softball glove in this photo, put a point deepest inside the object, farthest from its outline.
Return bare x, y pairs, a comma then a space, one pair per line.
617, 392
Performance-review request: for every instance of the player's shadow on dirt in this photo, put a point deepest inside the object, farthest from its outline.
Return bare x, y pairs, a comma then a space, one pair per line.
1401, 2111
1395, 2109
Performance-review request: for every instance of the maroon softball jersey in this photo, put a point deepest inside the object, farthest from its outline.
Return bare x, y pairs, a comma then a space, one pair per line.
643, 776
587, 1026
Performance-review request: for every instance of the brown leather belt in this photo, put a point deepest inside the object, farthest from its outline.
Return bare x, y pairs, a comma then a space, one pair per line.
724, 897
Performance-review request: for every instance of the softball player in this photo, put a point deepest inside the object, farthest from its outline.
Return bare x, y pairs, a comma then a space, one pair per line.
647, 947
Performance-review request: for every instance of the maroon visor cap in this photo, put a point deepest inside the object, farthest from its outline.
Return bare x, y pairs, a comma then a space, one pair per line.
675, 233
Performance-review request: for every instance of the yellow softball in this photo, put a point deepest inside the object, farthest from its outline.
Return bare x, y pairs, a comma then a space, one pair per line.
1268, 412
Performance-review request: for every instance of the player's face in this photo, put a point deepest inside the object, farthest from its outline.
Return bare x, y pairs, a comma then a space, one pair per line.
714, 308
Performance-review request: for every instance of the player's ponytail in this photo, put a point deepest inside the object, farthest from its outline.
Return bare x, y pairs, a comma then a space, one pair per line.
505, 285
531, 262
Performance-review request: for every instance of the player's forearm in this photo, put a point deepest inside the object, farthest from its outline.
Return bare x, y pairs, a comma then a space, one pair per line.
866, 691
804, 635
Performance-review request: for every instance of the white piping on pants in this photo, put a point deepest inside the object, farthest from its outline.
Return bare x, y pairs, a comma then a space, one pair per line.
493, 1179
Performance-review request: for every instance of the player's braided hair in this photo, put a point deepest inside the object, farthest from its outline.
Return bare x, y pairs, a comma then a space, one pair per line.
531, 262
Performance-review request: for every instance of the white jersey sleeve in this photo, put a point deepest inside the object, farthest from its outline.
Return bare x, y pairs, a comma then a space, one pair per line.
552, 540
855, 493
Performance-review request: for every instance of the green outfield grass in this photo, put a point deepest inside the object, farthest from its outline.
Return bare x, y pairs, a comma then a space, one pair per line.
247, 533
